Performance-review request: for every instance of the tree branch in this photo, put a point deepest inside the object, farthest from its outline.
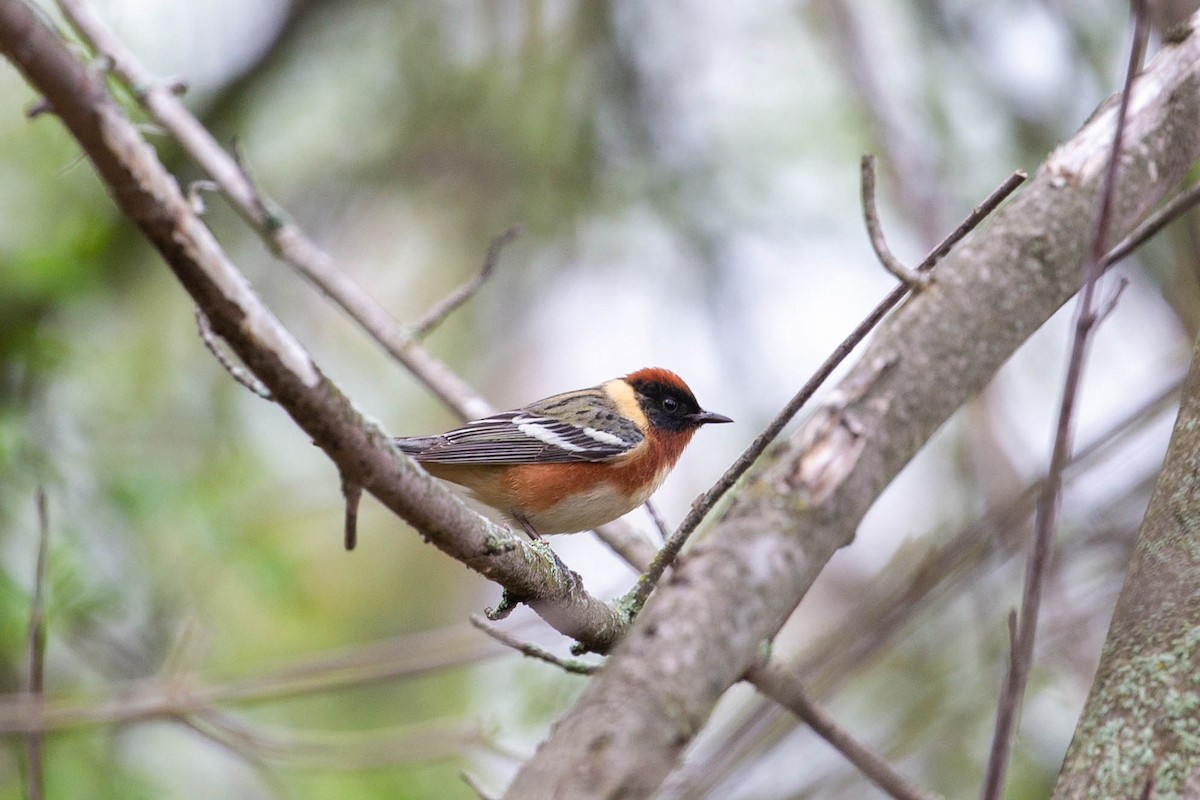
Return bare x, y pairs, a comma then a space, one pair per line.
290, 243
449, 304
704, 627
284, 237
1025, 628
152, 199
1137, 726
785, 687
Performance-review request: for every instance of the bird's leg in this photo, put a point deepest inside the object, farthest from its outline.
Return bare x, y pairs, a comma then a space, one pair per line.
536, 537
527, 526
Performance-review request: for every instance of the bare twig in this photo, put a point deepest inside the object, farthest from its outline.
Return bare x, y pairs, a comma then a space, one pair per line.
195, 194
436, 315
915, 280
184, 693
1047, 508
629, 543
37, 647
660, 523
237, 373
352, 492
39, 107
636, 597
284, 237
471, 781
785, 688
1110, 304
532, 650
338, 750
1169, 212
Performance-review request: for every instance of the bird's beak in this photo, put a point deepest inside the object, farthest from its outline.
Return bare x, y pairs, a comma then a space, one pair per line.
709, 416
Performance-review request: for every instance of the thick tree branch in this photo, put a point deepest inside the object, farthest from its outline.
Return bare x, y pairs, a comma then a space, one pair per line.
637, 596
152, 199
1138, 726
703, 629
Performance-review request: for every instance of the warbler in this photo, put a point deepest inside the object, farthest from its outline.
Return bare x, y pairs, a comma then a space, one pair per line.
573, 461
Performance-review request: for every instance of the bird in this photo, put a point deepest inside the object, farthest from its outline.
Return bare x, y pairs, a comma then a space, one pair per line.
572, 461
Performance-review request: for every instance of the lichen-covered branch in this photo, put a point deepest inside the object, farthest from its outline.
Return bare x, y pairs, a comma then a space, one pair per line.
1140, 725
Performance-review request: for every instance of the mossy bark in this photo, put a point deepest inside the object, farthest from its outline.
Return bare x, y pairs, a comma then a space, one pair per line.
1139, 735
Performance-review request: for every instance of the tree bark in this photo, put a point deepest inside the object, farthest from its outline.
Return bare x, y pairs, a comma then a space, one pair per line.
1140, 729
730, 595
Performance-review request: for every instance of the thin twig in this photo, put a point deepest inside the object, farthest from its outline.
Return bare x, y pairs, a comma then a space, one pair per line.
237, 373
912, 278
786, 689
471, 781
195, 195
1168, 213
637, 596
39, 107
571, 665
165, 696
283, 236
37, 647
436, 315
1114, 297
338, 750
660, 522
352, 492
1047, 507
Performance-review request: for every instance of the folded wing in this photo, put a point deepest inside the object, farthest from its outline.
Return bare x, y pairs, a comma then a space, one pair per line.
580, 426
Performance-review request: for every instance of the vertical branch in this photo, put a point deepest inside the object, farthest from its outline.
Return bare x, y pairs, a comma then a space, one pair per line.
37, 649
1047, 508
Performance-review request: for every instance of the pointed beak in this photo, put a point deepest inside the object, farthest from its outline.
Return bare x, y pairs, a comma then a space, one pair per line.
709, 416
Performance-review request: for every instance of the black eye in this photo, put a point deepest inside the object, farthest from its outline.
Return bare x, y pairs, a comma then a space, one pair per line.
670, 405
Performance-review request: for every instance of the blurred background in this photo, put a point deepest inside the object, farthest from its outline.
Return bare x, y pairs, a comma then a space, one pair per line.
687, 177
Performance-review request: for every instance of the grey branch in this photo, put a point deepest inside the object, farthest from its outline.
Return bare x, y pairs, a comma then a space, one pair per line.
436, 315
702, 630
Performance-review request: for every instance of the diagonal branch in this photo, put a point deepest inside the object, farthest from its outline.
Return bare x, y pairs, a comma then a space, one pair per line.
152, 199
449, 304
289, 242
706, 624
637, 596
785, 687
284, 237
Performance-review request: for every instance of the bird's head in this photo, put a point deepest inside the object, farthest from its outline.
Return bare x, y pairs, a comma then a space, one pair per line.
667, 402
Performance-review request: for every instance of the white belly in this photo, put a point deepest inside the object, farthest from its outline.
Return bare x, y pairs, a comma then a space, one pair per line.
591, 509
